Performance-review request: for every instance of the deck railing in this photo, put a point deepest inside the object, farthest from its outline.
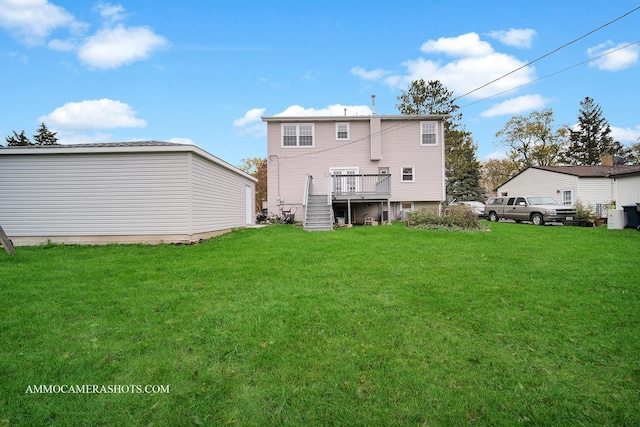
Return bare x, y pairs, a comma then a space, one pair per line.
365, 186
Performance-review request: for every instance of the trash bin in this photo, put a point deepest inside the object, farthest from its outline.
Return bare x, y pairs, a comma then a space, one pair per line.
633, 216
615, 220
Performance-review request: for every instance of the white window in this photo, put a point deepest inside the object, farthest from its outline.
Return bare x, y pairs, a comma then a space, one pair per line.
428, 133
408, 174
297, 135
567, 197
342, 131
344, 180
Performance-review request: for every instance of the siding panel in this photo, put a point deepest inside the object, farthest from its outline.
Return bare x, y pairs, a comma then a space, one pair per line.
400, 146
218, 197
94, 194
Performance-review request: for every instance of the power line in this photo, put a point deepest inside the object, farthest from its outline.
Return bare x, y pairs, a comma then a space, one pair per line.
547, 54
551, 75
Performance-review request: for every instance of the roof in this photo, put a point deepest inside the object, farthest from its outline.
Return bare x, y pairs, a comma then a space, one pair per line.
121, 147
352, 118
594, 171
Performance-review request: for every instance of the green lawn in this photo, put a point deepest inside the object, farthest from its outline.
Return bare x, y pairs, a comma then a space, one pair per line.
369, 326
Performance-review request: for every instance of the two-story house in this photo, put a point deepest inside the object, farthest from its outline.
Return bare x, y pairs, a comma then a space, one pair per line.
354, 169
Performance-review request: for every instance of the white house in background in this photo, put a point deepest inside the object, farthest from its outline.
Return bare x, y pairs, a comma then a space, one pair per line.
598, 185
134, 192
354, 168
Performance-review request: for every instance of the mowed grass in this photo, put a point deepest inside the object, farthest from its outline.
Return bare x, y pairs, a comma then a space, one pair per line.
370, 326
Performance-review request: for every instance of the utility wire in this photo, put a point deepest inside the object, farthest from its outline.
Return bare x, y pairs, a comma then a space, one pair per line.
404, 124
551, 75
547, 54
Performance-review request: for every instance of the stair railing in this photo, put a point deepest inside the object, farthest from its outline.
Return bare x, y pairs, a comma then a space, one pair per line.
305, 198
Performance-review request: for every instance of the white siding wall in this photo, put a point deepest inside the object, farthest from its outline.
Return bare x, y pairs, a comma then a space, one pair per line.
218, 197
94, 194
540, 183
595, 190
628, 190
400, 139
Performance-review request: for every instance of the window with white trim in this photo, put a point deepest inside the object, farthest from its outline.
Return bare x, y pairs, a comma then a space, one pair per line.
567, 197
408, 174
342, 131
297, 135
428, 133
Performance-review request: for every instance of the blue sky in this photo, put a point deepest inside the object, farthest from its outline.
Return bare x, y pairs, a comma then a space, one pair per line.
204, 72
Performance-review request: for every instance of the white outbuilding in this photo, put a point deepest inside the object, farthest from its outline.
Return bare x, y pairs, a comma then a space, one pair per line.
134, 192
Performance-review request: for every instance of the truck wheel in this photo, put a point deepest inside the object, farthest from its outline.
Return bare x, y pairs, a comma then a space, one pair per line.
537, 219
493, 217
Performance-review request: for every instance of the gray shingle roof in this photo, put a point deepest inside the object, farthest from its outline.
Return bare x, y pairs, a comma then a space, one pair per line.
594, 171
102, 144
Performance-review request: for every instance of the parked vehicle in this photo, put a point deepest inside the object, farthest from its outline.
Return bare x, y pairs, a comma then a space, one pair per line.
476, 207
537, 209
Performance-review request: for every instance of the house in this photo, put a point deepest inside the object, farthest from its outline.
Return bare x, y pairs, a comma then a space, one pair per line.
354, 169
135, 192
599, 185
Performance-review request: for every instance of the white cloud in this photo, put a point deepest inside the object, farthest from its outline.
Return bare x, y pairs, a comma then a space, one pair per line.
251, 123
117, 46
516, 106
111, 13
331, 110
464, 45
466, 74
625, 134
496, 155
251, 116
62, 45
475, 64
369, 75
514, 37
613, 59
32, 21
179, 140
71, 137
93, 114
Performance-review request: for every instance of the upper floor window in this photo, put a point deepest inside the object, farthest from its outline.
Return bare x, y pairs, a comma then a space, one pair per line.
428, 133
342, 131
297, 135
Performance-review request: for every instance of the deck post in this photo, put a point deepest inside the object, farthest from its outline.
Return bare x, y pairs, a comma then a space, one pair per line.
388, 212
349, 211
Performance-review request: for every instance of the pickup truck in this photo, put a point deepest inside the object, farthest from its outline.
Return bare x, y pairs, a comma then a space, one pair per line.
537, 209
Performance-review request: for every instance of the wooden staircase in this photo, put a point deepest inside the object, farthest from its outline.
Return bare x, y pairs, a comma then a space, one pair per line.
319, 215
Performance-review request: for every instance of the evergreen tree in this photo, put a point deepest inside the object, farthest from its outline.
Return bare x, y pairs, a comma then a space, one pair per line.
18, 140
461, 165
593, 137
45, 136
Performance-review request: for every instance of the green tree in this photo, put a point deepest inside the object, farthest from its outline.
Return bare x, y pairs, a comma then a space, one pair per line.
461, 165
533, 140
45, 136
633, 153
494, 173
257, 168
18, 140
592, 138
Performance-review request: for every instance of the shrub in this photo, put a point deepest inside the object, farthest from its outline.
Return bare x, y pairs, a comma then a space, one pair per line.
455, 218
584, 212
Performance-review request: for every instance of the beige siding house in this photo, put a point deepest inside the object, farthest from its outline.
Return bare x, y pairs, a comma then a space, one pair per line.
355, 169
138, 192
599, 185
